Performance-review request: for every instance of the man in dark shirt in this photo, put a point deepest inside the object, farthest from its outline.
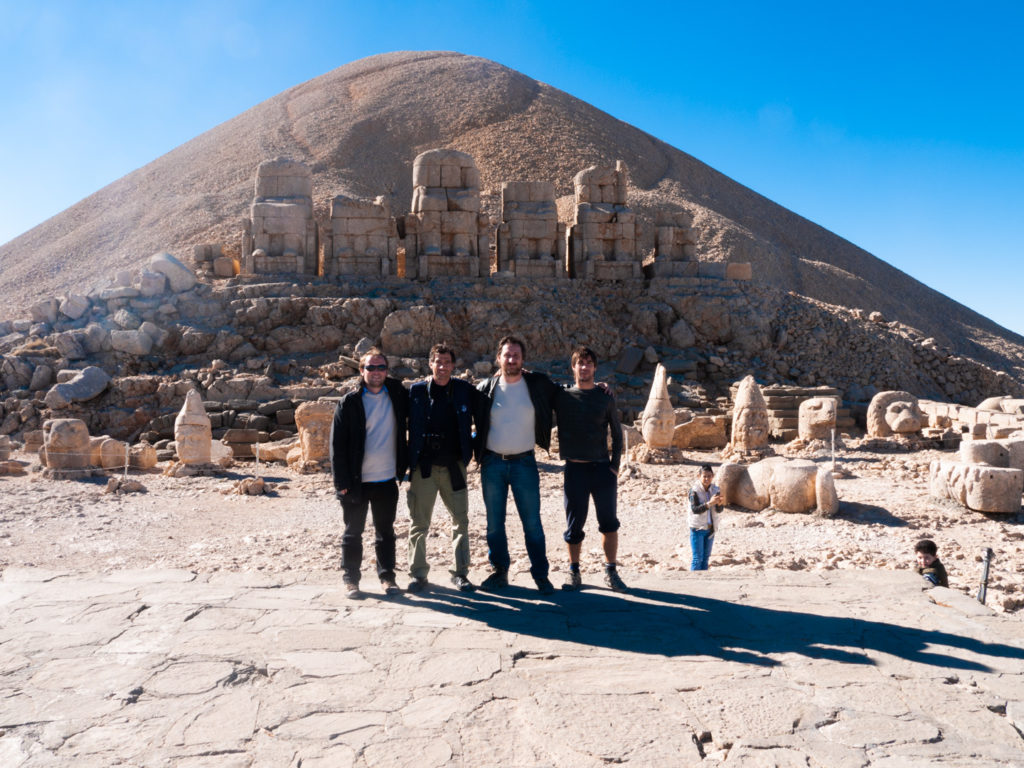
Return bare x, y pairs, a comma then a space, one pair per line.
586, 413
440, 447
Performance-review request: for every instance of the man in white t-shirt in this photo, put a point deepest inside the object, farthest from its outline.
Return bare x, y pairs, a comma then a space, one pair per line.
368, 457
514, 413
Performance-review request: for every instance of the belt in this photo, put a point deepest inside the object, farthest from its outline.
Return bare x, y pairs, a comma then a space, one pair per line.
510, 456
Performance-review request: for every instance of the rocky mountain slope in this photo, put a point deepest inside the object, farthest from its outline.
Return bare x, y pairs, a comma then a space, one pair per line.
360, 126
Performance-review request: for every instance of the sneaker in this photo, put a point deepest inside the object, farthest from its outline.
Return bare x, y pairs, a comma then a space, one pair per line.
544, 585
573, 581
462, 583
418, 585
352, 590
614, 581
497, 580
390, 587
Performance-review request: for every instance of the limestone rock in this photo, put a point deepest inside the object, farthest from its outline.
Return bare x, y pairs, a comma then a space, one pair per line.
44, 311
180, 277
894, 413
991, 452
67, 445
74, 306
978, 487
131, 342
701, 432
411, 332
5, 447
817, 418
738, 487
87, 384
658, 421
42, 378
192, 431
792, 486
142, 456
825, 490
152, 283
681, 335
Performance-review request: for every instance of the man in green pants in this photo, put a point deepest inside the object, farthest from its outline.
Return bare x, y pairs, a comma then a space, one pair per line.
440, 446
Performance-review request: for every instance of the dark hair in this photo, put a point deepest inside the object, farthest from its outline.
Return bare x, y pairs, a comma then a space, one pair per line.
511, 340
581, 352
927, 546
441, 349
706, 468
371, 352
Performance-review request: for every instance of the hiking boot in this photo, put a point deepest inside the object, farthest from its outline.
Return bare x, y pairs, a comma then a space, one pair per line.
390, 587
573, 581
497, 580
418, 585
544, 585
462, 583
352, 590
614, 581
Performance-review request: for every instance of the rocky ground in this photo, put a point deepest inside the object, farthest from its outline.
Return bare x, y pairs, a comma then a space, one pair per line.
197, 524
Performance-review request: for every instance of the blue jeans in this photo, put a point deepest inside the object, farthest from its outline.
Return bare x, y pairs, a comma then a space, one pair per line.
700, 544
497, 475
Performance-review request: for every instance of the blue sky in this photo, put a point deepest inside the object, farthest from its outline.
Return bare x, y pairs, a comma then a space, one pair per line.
899, 126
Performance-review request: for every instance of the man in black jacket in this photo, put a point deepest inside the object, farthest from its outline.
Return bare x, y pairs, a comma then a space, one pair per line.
513, 414
369, 455
440, 447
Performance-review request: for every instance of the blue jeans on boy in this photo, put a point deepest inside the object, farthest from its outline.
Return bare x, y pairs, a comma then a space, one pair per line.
700, 544
520, 474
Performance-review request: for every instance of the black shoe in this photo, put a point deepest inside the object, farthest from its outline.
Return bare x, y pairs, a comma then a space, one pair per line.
497, 580
544, 585
573, 581
613, 580
390, 587
462, 583
418, 585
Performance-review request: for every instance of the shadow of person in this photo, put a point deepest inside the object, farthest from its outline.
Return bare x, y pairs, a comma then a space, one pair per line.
656, 622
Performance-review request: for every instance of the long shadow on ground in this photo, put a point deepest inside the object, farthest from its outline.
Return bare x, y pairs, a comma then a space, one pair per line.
669, 624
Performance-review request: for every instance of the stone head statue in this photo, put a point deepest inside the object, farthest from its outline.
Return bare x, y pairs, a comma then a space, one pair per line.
192, 431
314, 423
658, 422
750, 427
817, 418
894, 413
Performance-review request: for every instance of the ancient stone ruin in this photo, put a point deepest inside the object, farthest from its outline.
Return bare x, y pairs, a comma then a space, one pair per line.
787, 485
893, 414
750, 430
603, 236
530, 239
361, 239
281, 235
445, 233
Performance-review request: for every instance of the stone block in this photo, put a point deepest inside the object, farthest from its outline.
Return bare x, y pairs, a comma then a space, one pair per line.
131, 342
44, 311
792, 487
66, 444
736, 270
225, 266
702, 433
712, 269
74, 306
5, 447
977, 486
825, 489
152, 283
990, 452
179, 276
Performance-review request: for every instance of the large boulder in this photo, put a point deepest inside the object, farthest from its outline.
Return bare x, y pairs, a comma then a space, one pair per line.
87, 384
131, 342
67, 445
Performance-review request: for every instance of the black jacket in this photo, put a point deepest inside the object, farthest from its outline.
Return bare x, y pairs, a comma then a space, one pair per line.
348, 436
464, 399
543, 394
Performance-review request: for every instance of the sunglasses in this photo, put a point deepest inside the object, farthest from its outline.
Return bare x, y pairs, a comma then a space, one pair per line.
375, 367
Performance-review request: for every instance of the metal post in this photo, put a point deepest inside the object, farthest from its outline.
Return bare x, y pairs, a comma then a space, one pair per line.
986, 561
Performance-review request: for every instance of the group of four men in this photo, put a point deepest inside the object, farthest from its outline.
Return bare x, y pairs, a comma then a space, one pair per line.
381, 430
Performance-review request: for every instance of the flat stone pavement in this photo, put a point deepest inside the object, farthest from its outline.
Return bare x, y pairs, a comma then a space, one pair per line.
171, 668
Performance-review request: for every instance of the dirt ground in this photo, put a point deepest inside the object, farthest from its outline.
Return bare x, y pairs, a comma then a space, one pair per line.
197, 524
